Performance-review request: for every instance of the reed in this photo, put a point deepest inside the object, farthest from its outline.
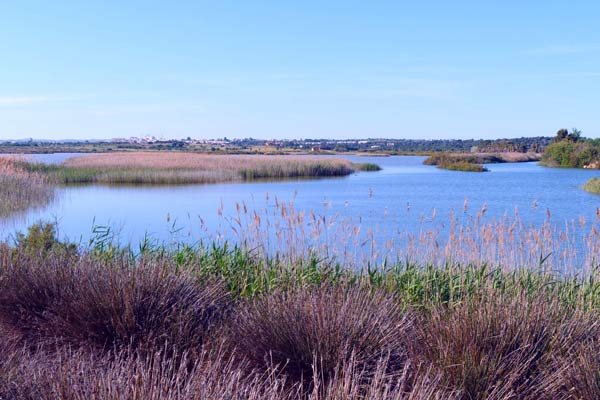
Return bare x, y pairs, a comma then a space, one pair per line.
189, 168
21, 189
279, 229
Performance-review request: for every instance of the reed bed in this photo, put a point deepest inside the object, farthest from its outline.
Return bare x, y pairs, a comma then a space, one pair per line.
21, 189
190, 168
470, 237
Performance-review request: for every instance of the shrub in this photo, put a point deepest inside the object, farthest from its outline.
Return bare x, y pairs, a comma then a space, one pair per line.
41, 238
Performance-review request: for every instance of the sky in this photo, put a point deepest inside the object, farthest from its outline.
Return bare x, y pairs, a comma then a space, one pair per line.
298, 69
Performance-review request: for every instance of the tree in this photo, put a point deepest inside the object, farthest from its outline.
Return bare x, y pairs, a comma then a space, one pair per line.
561, 135
575, 135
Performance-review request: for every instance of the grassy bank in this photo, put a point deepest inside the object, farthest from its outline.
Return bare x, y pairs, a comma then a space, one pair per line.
592, 186
218, 322
21, 189
188, 168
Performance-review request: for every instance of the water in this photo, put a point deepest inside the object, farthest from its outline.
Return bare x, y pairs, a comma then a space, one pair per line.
405, 198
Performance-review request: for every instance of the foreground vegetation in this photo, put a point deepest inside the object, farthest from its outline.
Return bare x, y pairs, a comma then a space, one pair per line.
216, 322
21, 189
188, 168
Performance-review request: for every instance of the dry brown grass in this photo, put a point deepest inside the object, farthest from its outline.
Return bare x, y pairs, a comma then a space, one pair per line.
163, 168
85, 303
307, 330
177, 160
189, 168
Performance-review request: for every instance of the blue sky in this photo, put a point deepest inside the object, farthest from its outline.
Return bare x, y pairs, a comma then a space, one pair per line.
306, 69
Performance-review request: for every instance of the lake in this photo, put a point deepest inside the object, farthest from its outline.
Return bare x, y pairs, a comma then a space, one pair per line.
404, 209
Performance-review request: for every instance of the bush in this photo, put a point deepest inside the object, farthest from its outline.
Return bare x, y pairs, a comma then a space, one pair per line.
41, 238
569, 154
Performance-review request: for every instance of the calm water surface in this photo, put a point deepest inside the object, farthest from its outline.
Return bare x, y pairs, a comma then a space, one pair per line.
404, 197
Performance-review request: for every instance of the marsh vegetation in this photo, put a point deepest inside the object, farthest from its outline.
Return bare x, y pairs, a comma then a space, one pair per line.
189, 168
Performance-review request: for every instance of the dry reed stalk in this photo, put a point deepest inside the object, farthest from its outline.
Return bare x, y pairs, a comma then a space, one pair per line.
281, 229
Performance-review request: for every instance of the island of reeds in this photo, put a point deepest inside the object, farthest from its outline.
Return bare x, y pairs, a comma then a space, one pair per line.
220, 322
454, 162
592, 186
190, 168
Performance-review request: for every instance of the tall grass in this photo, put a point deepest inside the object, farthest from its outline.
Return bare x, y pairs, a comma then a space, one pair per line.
21, 189
189, 168
281, 229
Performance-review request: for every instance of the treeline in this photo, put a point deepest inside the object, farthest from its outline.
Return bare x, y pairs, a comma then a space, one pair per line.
250, 145
571, 150
523, 144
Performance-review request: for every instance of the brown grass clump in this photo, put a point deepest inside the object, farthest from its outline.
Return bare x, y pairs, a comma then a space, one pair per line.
305, 330
352, 381
499, 347
97, 306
